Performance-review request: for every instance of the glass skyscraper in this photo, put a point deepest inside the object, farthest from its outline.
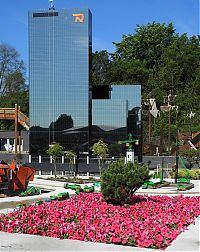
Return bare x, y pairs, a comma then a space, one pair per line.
117, 115
64, 108
60, 47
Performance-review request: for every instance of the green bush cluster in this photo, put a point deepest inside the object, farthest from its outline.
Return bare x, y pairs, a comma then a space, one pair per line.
119, 181
192, 174
183, 173
195, 174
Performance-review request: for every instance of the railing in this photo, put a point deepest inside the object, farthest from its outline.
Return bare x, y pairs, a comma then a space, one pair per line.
67, 173
10, 114
23, 120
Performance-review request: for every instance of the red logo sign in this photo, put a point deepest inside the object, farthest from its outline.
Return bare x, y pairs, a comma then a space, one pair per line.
79, 18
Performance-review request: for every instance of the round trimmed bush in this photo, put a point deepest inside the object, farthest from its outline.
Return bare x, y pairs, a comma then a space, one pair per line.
119, 181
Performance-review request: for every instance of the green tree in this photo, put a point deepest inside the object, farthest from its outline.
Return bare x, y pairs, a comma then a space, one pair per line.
130, 71
120, 181
139, 54
55, 150
146, 44
70, 155
100, 149
12, 83
11, 71
178, 66
164, 63
101, 67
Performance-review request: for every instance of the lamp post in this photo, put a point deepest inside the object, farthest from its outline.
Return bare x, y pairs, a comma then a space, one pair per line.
129, 144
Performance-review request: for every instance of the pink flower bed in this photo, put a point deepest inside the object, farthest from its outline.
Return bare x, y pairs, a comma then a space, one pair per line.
150, 222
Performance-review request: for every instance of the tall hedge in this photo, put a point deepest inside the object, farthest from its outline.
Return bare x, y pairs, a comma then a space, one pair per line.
120, 181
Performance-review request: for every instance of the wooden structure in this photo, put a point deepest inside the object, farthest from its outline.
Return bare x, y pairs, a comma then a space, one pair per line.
188, 140
19, 118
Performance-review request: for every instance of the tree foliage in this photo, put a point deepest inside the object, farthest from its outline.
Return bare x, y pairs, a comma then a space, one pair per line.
55, 150
100, 149
101, 67
120, 181
71, 155
13, 88
11, 71
190, 153
163, 62
146, 45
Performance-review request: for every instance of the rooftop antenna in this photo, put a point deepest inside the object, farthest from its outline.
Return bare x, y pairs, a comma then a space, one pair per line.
51, 5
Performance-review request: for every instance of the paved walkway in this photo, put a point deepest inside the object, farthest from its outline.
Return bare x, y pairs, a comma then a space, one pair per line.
172, 190
24, 242
186, 241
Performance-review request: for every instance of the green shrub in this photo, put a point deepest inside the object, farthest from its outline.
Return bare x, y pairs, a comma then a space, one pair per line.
183, 173
119, 181
195, 174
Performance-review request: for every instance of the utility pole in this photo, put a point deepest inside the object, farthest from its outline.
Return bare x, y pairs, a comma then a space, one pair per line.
16, 127
169, 132
147, 105
149, 136
177, 157
168, 101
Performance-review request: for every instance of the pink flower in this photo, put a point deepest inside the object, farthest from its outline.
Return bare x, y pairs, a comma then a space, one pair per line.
149, 222
159, 237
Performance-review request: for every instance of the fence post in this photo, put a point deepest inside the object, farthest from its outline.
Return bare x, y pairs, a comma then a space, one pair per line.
29, 159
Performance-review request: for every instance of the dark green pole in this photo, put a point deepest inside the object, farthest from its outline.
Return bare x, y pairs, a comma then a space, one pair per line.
162, 175
177, 160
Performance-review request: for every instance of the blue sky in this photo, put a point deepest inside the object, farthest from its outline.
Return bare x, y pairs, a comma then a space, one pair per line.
111, 18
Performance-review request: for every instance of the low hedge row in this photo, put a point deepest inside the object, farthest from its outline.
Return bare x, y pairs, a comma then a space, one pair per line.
183, 173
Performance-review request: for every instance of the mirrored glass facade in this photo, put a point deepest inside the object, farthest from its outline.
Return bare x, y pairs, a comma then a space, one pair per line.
115, 117
60, 47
